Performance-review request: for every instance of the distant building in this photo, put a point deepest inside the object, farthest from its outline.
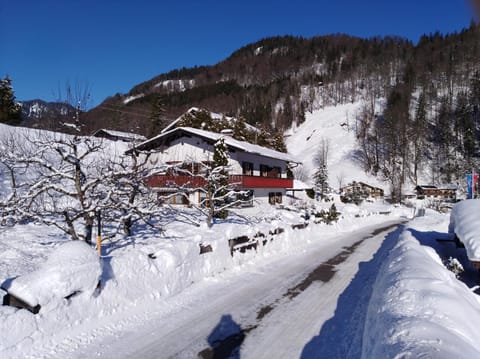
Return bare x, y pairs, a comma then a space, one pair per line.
362, 190
118, 135
447, 193
254, 169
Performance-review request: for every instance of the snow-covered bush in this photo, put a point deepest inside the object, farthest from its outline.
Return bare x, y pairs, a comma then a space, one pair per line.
454, 265
329, 216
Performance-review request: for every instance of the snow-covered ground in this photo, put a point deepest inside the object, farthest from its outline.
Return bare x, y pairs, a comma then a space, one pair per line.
405, 298
356, 288
144, 273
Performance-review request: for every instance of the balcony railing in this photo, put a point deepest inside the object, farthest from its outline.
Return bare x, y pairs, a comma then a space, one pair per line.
237, 181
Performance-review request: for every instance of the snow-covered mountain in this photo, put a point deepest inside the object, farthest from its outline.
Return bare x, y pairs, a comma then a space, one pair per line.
34, 111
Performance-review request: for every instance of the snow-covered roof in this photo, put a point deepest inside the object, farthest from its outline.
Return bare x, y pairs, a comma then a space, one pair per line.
120, 134
229, 141
213, 115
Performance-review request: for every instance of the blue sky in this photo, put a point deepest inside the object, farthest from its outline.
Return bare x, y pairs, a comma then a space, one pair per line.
114, 45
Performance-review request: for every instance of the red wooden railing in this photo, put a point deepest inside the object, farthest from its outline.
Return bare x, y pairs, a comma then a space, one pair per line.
238, 181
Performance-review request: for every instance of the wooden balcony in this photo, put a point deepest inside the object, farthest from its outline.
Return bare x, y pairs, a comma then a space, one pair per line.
237, 181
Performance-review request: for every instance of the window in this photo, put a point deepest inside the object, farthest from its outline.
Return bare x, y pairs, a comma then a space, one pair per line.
247, 168
202, 199
271, 198
274, 198
174, 198
267, 171
278, 197
276, 172
264, 170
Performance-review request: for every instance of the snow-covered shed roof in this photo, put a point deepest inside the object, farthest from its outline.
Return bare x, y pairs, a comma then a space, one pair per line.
167, 137
125, 136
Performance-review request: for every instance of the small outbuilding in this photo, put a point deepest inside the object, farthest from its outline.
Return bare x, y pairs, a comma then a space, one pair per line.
119, 135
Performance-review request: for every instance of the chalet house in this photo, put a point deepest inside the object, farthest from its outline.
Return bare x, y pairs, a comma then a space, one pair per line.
119, 136
260, 171
443, 193
363, 190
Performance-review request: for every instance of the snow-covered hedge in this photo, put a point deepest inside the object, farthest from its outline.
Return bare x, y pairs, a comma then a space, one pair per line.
419, 309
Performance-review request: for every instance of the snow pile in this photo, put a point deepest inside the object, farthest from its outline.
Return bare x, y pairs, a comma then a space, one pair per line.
465, 223
73, 267
419, 309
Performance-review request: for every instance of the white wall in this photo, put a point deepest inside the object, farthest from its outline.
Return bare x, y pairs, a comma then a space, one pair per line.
197, 150
261, 194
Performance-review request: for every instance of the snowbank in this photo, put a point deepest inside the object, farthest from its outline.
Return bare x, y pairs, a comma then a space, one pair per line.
419, 309
465, 223
73, 267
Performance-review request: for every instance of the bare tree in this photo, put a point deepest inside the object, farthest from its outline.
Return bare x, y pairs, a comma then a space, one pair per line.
130, 199
300, 173
65, 183
340, 180
209, 178
76, 95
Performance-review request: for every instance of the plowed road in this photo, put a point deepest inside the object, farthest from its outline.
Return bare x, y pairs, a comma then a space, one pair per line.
309, 304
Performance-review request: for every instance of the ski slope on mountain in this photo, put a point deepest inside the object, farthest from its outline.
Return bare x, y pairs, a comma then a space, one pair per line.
335, 124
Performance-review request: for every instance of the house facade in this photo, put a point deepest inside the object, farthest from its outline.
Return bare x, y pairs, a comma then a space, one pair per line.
261, 172
442, 193
363, 190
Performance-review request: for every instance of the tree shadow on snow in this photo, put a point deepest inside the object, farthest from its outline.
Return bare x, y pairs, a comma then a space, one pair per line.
341, 336
224, 340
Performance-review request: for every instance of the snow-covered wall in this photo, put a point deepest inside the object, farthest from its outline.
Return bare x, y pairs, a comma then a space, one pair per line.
419, 309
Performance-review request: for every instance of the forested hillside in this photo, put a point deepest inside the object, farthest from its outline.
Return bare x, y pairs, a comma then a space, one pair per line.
420, 116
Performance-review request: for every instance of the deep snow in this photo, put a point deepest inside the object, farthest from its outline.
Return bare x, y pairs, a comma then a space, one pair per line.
157, 276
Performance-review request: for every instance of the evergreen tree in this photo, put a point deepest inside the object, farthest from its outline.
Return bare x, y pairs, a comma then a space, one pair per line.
277, 142
157, 115
320, 178
10, 111
217, 183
